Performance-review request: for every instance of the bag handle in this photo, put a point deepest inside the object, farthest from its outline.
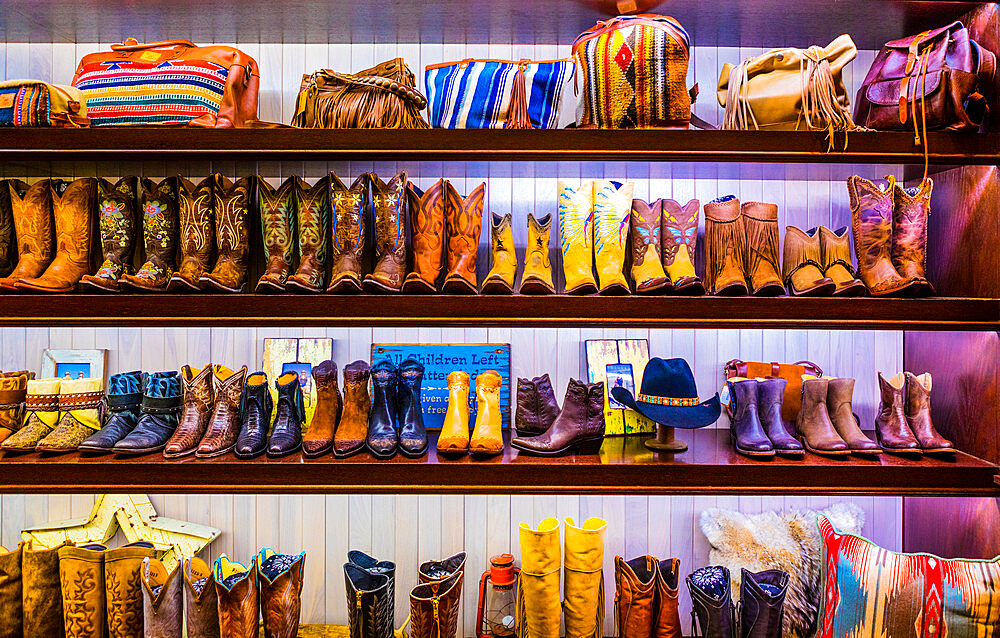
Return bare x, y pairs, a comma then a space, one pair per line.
399, 89
732, 367
131, 44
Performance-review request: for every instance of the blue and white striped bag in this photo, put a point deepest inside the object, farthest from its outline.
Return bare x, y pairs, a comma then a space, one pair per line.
497, 93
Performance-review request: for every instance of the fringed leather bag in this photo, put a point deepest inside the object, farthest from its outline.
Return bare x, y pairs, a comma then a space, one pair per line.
383, 96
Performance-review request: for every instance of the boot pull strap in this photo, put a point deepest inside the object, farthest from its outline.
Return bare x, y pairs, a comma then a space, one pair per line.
694, 622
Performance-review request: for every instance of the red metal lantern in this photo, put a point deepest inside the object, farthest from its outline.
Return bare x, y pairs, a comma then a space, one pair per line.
497, 598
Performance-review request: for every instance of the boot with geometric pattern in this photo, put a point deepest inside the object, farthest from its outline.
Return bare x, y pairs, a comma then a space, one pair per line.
79, 400
41, 414
279, 232
312, 207
117, 208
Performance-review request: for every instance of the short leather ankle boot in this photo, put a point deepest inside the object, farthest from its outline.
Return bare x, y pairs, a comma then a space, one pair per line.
725, 247
122, 405
224, 423
256, 421
537, 276
389, 212
41, 414
11, 605
678, 240
158, 203
813, 425
435, 607
161, 406
576, 237
536, 406
918, 414
239, 609
312, 211
350, 247
280, 580
839, 402
196, 215
891, 427
81, 579
369, 603
762, 598
579, 425
279, 231
500, 280
711, 602
760, 223
770, 395
635, 596
201, 602
79, 415
667, 622
427, 213
34, 229
412, 434
465, 222
612, 206
911, 206
13, 392
117, 207
745, 429
801, 264
871, 213
289, 415
318, 439
835, 262
487, 435
454, 437
122, 569
647, 266
231, 205
42, 592
199, 397
383, 429
352, 431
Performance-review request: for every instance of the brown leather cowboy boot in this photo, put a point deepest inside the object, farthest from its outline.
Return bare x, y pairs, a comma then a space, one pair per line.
123, 589
760, 222
34, 229
839, 402
199, 399
434, 608
801, 262
351, 219
162, 599
635, 596
813, 425
159, 231
911, 206
891, 425
427, 212
201, 602
918, 414
196, 215
280, 579
871, 213
8, 243
318, 439
353, 427
13, 392
81, 580
465, 221
835, 262
279, 232
73, 211
11, 606
312, 205
41, 596
725, 247
389, 211
239, 611
500, 280
678, 240
117, 206
224, 424
667, 621
231, 205
647, 266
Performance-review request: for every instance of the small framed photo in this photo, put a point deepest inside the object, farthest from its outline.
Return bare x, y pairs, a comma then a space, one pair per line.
74, 364
619, 376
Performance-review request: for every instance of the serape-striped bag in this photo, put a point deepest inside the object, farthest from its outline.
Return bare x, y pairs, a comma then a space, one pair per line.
497, 93
37, 103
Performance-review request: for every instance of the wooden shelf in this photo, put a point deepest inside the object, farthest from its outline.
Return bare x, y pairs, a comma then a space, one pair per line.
624, 466
492, 145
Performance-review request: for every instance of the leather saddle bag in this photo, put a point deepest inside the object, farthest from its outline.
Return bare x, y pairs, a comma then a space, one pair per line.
790, 372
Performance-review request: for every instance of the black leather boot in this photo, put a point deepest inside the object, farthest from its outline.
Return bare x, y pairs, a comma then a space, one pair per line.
375, 566
762, 601
770, 396
745, 428
123, 402
412, 435
257, 406
286, 437
711, 603
369, 605
383, 433
161, 406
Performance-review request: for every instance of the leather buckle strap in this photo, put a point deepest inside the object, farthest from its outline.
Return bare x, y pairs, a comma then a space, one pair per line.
843, 262
803, 263
80, 400
122, 402
161, 405
42, 402
12, 396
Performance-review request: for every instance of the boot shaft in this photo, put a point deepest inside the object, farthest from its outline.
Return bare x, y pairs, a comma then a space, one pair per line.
122, 578
434, 608
892, 399
911, 207
356, 397
762, 597
201, 602
280, 579
427, 220
711, 602
34, 228
369, 603
237, 589
635, 595
117, 206
278, 225
81, 578
668, 619
612, 207
679, 237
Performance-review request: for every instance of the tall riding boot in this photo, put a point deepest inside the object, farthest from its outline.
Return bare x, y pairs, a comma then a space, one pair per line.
73, 212
383, 429
256, 419
352, 431
454, 437
576, 235
436, 571
11, 607
891, 427
678, 240
199, 398
434, 608
427, 213
800, 264
279, 232
745, 429
536, 406
312, 206
871, 213
289, 415
647, 266
231, 206
762, 597
41, 414
350, 245
161, 405
224, 424
280, 580
760, 222
465, 221
13, 392
579, 425
612, 205
537, 276
500, 280
375, 566
239, 609
369, 603
196, 214
122, 405
770, 398
918, 414
635, 596
41, 596
117, 207
159, 205
835, 262
813, 425
122, 567
538, 609
583, 578
34, 229
839, 402
487, 435
80, 417
389, 211
8, 240
412, 434
318, 439
725, 247
667, 622
201, 601
81, 579
911, 206
711, 602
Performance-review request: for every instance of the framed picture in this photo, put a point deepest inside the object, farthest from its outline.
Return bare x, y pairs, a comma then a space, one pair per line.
74, 364
283, 355
619, 362
619, 376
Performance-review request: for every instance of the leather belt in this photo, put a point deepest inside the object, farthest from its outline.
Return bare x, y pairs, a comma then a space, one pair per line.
161, 405
12, 396
42, 401
122, 402
80, 400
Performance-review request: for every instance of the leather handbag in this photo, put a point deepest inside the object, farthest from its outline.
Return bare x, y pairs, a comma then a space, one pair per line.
791, 372
633, 69
37, 103
383, 96
497, 93
789, 89
169, 82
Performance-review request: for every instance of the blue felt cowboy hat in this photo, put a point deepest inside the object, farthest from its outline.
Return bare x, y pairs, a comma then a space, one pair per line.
669, 396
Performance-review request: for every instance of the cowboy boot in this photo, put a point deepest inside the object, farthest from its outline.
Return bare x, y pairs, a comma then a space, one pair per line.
435, 607
161, 405
725, 247
835, 262
196, 216
122, 406
351, 218
280, 580
839, 404
239, 609
8, 240
770, 398
11, 607
256, 418
81, 580
117, 206
871, 215
711, 602
427, 213
918, 414
465, 221
13, 391
436, 571
224, 424
538, 612
813, 424
579, 425
319, 436
199, 398
201, 602
762, 596
911, 206
500, 280
41, 595
34, 229
583, 578
745, 428
612, 205
760, 223
891, 427
678, 240
576, 234
79, 403
383, 432
352, 430
536, 406
162, 599
635, 596
667, 622
389, 212
647, 267
369, 603
278, 231
289, 415
160, 235
374, 566
230, 204
124, 593
454, 437
73, 212
801, 264
487, 435
537, 276
312, 206
412, 434
41, 414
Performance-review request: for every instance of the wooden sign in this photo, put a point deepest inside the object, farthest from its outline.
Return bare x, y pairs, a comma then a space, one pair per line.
619, 362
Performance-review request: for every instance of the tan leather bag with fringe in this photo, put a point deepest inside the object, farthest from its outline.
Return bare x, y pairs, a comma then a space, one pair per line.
383, 96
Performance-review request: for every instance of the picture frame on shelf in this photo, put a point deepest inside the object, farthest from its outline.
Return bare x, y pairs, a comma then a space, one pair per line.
74, 364
298, 355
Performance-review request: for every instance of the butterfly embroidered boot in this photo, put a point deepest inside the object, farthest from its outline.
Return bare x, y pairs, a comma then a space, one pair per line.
465, 221
41, 414
678, 240
34, 229
159, 233
280, 579
427, 214
647, 267
537, 276
313, 212
196, 215
231, 206
389, 212
760, 221
911, 207
725, 247
500, 280
279, 232
117, 206
612, 206
576, 235
350, 247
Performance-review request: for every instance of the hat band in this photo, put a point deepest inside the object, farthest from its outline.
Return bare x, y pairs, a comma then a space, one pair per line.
671, 401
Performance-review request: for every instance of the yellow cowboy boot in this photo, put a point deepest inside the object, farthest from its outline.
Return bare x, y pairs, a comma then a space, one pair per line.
500, 281
537, 614
583, 576
537, 276
454, 438
41, 414
13, 390
487, 436
78, 419
612, 205
81, 579
576, 235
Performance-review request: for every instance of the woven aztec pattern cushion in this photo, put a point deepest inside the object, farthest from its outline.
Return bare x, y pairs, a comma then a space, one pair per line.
870, 591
